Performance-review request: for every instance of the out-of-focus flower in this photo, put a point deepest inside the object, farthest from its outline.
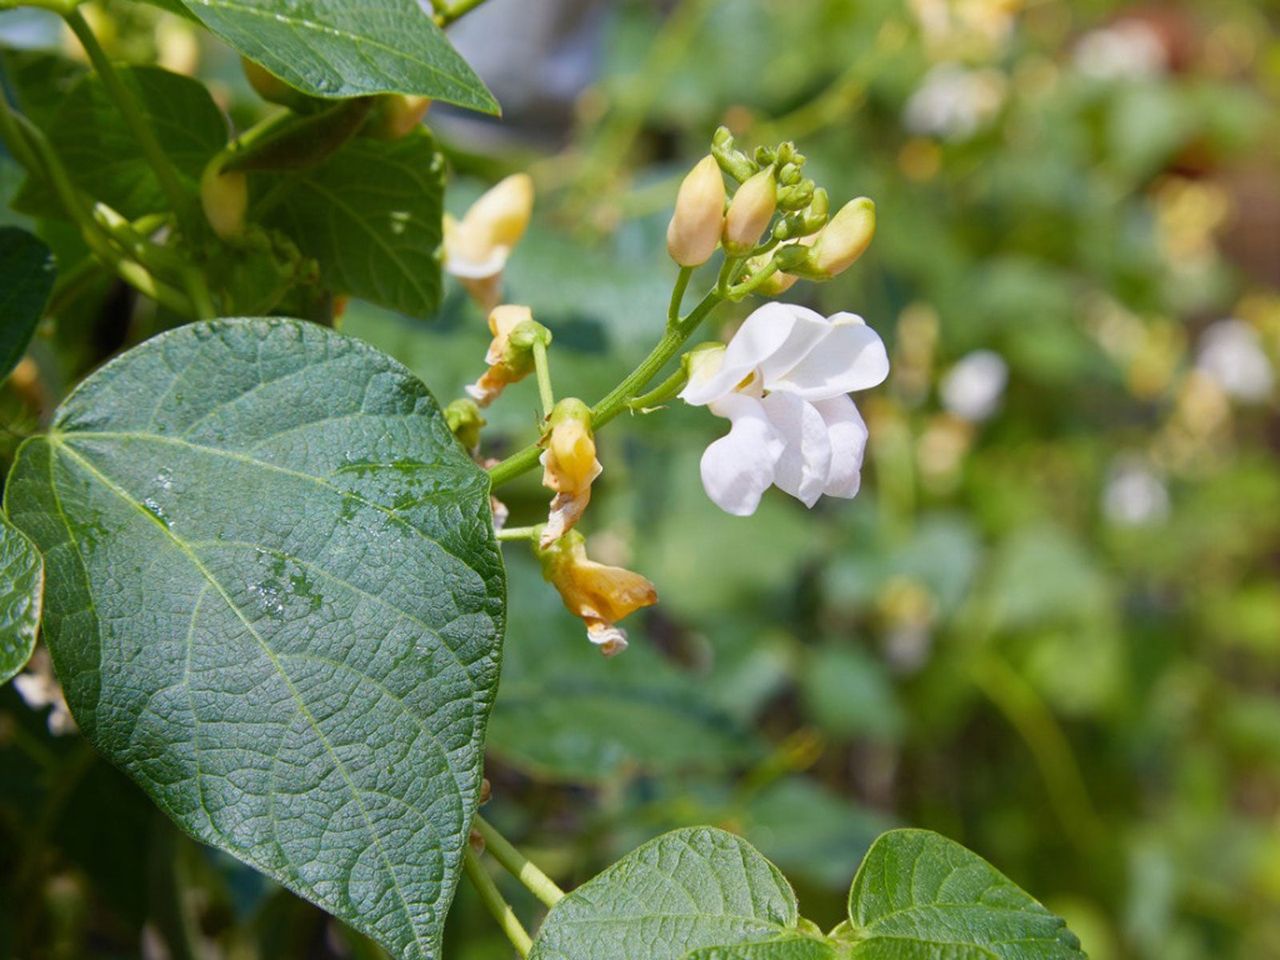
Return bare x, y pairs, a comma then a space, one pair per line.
971, 390
973, 27
476, 247
1127, 49
601, 595
1134, 494
510, 355
39, 688
696, 225
569, 466
783, 382
1230, 354
955, 102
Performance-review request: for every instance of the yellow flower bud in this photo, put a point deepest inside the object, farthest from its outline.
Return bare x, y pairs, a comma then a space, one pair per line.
694, 232
749, 214
396, 116
510, 354
225, 198
601, 595
270, 87
569, 466
844, 239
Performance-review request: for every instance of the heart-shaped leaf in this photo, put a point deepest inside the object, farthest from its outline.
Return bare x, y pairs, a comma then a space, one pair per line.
371, 215
102, 156
920, 896
21, 589
336, 48
685, 890
27, 272
277, 604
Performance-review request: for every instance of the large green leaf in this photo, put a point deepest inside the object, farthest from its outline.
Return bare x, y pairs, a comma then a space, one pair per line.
276, 602
687, 889
336, 48
21, 588
27, 272
920, 896
371, 215
102, 156
788, 948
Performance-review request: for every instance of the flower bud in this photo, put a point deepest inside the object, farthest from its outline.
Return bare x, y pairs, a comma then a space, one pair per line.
694, 232
225, 198
569, 466
750, 212
844, 239
396, 116
510, 354
601, 595
271, 88
465, 421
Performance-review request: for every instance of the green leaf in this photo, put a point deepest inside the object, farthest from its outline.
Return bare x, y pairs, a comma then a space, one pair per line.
27, 273
371, 215
788, 948
336, 48
276, 602
102, 155
687, 889
920, 896
21, 589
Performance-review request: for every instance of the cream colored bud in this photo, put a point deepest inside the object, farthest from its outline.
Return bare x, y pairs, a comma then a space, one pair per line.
694, 232
501, 216
844, 239
749, 214
225, 198
396, 116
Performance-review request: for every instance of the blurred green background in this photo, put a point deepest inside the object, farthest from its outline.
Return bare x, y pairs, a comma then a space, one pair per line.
1049, 626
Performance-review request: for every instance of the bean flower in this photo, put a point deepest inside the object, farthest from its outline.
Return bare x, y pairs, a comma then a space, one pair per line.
783, 382
476, 247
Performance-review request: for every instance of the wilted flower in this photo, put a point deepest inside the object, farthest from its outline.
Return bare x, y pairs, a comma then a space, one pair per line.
476, 247
601, 595
694, 231
954, 102
39, 688
569, 466
510, 355
1231, 355
784, 381
971, 390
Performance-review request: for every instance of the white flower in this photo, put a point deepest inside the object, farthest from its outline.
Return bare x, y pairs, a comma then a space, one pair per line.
1231, 355
1134, 495
476, 247
955, 102
783, 382
972, 388
1128, 49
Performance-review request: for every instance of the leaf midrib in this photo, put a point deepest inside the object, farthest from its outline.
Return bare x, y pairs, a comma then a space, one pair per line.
56, 441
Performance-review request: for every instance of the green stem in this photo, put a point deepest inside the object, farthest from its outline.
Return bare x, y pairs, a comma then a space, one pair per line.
662, 393
517, 864
452, 12
518, 533
749, 286
542, 368
132, 113
677, 296
616, 400
492, 898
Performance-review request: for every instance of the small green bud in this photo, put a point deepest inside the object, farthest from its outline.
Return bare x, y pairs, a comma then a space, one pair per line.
465, 421
791, 257
788, 174
765, 156
786, 152
843, 240
395, 116
695, 228
733, 162
796, 197
750, 212
225, 199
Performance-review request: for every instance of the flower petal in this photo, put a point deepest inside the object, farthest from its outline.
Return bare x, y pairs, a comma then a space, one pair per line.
851, 356
738, 468
776, 335
847, 433
803, 467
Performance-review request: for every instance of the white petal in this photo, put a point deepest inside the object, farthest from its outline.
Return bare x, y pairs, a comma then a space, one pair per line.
738, 468
847, 434
465, 269
851, 356
803, 467
774, 336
